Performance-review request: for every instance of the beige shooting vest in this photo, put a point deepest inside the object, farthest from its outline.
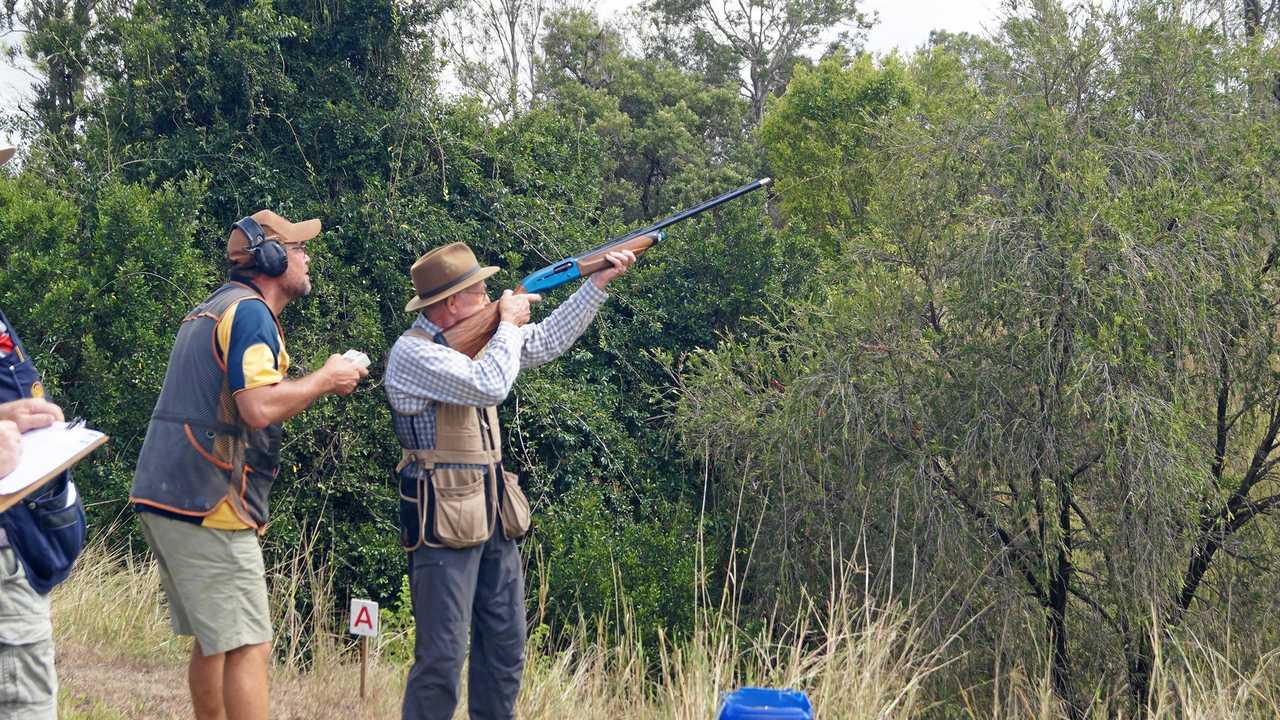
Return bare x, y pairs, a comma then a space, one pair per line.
454, 497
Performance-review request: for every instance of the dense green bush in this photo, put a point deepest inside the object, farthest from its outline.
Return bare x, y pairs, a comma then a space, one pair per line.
96, 292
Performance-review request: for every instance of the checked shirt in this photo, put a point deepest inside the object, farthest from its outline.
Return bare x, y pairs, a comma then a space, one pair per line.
421, 372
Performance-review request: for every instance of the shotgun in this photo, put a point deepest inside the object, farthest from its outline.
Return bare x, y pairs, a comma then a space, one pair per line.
471, 334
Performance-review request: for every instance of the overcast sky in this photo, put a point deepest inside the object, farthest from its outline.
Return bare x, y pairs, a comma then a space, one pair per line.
903, 24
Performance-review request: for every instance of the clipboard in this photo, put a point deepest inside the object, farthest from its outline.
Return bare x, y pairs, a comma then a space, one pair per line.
46, 453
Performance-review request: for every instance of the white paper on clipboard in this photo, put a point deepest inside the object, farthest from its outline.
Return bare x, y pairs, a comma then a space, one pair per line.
48, 451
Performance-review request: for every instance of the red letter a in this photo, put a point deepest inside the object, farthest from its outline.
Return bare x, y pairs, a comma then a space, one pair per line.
363, 618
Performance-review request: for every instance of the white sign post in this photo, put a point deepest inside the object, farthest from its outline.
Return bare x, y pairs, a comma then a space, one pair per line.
364, 622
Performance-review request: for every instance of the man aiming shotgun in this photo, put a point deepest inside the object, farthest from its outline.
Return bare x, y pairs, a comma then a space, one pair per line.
461, 512
471, 334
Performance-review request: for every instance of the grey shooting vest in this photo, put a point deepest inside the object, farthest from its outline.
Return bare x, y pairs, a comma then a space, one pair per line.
197, 451
452, 494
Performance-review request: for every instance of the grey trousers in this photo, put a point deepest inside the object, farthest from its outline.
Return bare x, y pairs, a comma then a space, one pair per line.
28, 680
479, 590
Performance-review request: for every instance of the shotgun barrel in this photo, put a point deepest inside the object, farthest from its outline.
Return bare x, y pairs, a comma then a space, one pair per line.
685, 214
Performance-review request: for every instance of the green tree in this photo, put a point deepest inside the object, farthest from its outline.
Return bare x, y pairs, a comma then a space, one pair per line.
766, 37
101, 331
818, 140
1042, 379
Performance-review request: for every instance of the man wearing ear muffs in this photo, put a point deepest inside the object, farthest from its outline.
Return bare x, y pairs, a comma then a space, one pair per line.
212, 451
40, 538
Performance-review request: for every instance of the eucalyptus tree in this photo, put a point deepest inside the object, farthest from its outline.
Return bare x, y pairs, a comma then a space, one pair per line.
766, 38
492, 48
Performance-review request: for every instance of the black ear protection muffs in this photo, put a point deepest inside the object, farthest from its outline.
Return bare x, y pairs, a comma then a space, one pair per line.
269, 256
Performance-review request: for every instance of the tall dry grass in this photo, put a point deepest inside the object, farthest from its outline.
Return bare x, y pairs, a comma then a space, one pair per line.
872, 662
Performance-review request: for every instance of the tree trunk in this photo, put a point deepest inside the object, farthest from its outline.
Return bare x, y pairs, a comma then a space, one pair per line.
1139, 667
1252, 18
513, 66
1059, 593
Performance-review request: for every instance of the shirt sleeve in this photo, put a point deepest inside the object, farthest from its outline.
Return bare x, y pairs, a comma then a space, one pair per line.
420, 371
547, 340
251, 346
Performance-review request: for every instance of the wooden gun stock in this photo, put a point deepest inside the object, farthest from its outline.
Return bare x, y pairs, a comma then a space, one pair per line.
469, 336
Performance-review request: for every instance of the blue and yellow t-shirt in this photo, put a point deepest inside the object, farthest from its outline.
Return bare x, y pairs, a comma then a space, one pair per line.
250, 344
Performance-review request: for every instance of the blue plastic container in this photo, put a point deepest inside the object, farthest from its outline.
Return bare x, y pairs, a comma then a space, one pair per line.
765, 704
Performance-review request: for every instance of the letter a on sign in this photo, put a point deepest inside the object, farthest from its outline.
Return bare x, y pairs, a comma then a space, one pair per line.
364, 617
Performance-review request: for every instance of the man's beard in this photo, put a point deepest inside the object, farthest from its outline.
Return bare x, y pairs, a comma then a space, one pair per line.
299, 288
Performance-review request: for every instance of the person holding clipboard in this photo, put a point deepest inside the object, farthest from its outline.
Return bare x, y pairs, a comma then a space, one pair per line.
40, 538
10, 447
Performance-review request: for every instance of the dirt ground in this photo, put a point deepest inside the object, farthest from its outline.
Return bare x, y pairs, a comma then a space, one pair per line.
96, 685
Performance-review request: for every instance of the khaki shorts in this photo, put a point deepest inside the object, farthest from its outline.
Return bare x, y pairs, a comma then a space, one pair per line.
215, 582
28, 681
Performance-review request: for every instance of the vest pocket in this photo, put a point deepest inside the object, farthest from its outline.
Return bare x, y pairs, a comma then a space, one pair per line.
515, 507
47, 533
461, 515
410, 512
262, 451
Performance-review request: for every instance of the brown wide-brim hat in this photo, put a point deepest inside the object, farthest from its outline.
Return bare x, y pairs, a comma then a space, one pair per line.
444, 272
276, 228
6, 153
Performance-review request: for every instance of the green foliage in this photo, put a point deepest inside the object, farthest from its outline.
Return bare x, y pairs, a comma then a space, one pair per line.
818, 139
594, 558
397, 631
1041, 380
656, 122
96, 293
